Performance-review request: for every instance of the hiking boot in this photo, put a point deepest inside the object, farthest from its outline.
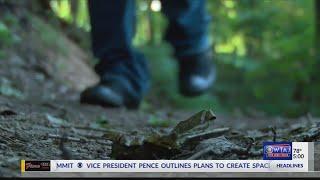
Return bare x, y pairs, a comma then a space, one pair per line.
123, 82
112, 93
196, 74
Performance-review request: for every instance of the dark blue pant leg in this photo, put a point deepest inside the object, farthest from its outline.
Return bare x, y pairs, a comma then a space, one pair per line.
188, 26
112, 27
112, 30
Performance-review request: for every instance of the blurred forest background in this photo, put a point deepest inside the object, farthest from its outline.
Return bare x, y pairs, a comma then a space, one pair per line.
266, 53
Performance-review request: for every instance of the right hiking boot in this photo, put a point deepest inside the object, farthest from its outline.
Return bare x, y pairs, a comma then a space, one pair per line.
196, 74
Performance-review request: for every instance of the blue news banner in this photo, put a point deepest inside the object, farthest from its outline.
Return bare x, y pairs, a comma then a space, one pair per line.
277, 157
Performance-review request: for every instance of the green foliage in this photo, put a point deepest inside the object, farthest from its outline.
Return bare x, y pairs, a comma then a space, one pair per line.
48, 35
264, 54
101, 121
157, 122
2, 54
8, 89
64, 9
5, 35
4, 31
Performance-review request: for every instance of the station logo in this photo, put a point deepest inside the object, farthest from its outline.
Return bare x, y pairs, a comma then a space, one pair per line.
35, 166
277, 151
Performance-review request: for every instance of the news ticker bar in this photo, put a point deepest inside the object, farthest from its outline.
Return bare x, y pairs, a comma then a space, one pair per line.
301, 156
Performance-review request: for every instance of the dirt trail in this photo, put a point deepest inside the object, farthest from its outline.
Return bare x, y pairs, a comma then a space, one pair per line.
36, 113
41, 118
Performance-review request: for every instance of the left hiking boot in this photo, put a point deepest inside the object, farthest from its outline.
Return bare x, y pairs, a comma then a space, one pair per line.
124, 81
196, 74
116, 92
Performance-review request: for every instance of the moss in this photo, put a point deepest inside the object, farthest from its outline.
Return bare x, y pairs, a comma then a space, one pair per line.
6, 37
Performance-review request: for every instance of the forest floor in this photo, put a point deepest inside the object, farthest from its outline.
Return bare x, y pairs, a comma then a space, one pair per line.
41, 117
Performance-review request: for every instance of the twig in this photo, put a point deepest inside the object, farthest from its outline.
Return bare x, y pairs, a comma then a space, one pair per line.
65, 153
273, 129
64, 137
208, 134
309, 119
107, 142
200, 153
8, 130
87, 128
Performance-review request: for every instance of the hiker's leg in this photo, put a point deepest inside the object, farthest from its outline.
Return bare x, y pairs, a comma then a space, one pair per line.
112, 28
188, 26
120, 67
188, 34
